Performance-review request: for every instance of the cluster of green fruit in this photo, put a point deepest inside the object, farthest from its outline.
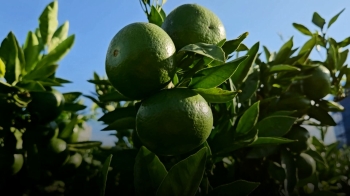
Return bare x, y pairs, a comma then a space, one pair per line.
141, 63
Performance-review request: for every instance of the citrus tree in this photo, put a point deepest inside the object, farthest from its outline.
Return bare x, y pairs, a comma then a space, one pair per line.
225, 122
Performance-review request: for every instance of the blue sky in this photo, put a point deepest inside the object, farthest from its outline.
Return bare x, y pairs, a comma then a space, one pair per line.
95, 23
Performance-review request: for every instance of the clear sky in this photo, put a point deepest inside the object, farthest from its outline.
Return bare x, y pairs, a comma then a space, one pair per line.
95, 22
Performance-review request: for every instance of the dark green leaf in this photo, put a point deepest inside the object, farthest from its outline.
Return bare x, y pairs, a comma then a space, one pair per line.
149, 172
31, 51
41, 72
262, 151
100, 82
276, 171
118, 113
60, 34
236, 188
344, 43
62, 81
249, 87
330, 106
122, 123
318, 20
216, 95
284, 52
267, 54
48, 82
155, 17
214, 76
280, 68
57, 53
73, 107
69, 128
316, 155
184, 177
322, 116
232, 45
31, 86
103, 175
114, 96
275, 126
288, 164
270, 141
307, 48
242, 71
335, 18
342, 58
48, 21
302, 29
208, 50
242, 47
85, 145
71, 97
248, 119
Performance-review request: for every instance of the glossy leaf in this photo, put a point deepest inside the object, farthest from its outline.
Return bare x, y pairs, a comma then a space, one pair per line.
216, 95
114, 96
318, 20
60, 34
48, 21
267, 54
118, 113
284, 52
248, 119
41, 72
73, 107
249, 87
242, 71
57, 53
214, 76
184, 177
103, 175
31, 86
122, 123
322, 116
344, 43
208, 50
232, 45
334, 18
275, 126
31, 50
71, 97
155, 17
302, 29
149, 172
2, 69
280, 68
307, 48
271, 140
237, 188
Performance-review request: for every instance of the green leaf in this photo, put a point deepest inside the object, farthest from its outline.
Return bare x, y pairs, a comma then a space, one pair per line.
73, 107
248, 119
149, 172
12, 55
103, 175
288, 164
31, 50
216, 95
41, 72
242, 71
343, 56
60, 34
262, 151
344, 43
32, 86
232, 45
276, 171
280, 68
249, 87
335, 18
214, 76
318, 20
208, 50
322, 116
100, 82
155, 17
330, 106
275, 126
48, 21
62, 81
84, 145
267, 54
2, 69
68, 129
71, 97
271, 140
184, 177
57, 53
236, 188
302, 29
118, 113
242, 47
307, 48
284, 52
113, 96
122, 123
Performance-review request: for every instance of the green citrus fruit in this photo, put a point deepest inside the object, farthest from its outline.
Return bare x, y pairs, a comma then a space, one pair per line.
306, 165
139, 60
318, 85
174, 121
192, 23
10, 164
301, 135
74, 161
55, 154
47, 106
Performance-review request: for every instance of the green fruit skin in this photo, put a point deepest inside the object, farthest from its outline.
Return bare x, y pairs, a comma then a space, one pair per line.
140, 59
74, 161
56, 154
192, 23
10, 164
306, 165
46, 105
319, 84
174, 121
302, 135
